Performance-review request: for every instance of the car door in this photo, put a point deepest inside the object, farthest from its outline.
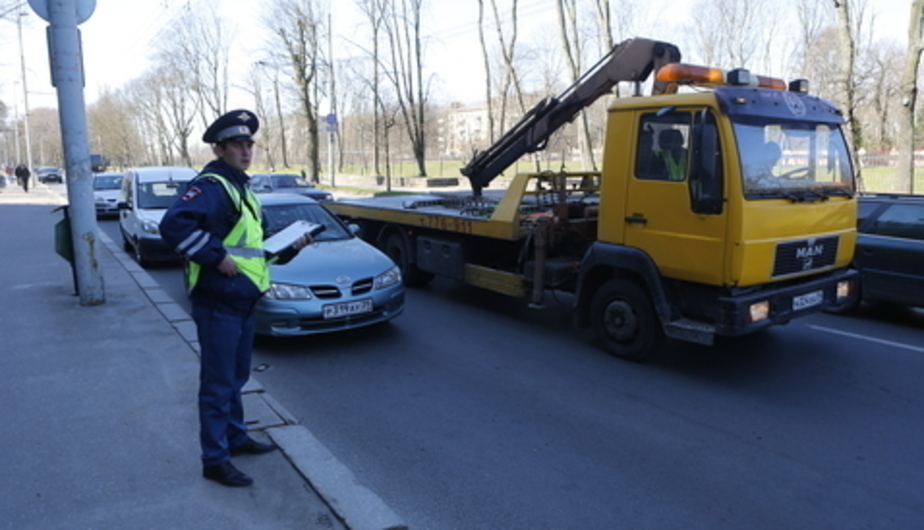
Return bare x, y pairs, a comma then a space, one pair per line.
890, 251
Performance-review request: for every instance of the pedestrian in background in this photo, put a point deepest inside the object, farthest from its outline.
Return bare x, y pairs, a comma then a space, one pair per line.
22, 175
217, 226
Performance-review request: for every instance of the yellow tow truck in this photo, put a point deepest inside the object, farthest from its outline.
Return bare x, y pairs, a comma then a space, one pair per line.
721, 208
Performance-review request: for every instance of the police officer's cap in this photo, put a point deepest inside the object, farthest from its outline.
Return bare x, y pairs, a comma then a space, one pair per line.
238, 125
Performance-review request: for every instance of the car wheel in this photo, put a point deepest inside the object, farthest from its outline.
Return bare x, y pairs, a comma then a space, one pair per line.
139, 257
126, 245
625, 321
397, 249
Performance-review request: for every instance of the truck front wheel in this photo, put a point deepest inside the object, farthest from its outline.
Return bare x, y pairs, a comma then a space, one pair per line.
396, 249
624, 320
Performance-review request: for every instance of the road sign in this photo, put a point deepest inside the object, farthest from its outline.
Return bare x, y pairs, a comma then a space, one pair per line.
84, 9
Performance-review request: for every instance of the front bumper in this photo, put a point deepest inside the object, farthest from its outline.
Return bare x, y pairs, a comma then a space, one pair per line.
735, 314
289, 318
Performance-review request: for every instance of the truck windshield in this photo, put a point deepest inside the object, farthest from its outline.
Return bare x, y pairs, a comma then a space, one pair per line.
796, 160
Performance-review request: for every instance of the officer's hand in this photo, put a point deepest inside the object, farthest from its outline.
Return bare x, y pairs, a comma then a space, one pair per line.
227, 266
303, 242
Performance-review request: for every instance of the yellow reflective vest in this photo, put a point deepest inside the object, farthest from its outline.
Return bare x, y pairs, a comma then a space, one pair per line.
244, 243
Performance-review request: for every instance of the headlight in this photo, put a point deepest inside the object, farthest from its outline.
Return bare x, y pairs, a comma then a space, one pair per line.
149, 227
286, 291
388, 278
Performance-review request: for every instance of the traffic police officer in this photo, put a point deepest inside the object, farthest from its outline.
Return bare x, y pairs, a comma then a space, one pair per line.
217, 226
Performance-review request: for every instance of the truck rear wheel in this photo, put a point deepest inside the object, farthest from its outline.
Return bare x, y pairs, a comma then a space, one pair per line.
624, 320
397, 249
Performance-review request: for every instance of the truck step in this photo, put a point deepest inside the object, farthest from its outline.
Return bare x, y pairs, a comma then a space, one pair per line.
691, 331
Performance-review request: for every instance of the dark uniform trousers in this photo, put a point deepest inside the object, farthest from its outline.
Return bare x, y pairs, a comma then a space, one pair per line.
225, 342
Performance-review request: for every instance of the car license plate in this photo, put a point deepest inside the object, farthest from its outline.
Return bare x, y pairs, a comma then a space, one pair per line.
348, 308
808, 300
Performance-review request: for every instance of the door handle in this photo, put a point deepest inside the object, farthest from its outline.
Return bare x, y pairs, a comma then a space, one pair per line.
637, 220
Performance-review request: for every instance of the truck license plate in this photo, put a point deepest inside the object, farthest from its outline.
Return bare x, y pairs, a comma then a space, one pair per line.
808, 300
348, 308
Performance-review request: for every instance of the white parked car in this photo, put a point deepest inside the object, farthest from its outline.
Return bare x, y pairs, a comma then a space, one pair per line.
106, 190
146, 194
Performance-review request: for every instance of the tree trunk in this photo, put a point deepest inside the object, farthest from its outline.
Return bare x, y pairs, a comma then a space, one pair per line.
567, 16
909, 94
487, 72
845, 81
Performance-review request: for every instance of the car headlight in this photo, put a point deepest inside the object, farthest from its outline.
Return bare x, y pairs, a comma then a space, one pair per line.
150, 227
388, 278
287, 291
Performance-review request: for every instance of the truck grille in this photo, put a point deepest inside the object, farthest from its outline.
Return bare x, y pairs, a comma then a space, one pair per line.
805, 255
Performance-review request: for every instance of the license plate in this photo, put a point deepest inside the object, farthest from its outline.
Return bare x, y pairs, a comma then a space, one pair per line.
348, 308
808, 300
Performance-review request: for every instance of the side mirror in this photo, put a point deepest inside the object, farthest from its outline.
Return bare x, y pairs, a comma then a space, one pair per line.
706, 179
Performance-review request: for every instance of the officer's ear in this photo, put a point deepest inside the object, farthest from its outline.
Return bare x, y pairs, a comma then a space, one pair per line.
218, 149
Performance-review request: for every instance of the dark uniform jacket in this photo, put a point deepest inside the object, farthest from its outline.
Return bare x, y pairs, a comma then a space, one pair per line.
207, 206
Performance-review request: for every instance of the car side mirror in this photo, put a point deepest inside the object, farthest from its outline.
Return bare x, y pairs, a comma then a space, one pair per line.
354, 228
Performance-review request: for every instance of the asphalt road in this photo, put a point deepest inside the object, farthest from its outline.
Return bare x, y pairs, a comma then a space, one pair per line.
472, 411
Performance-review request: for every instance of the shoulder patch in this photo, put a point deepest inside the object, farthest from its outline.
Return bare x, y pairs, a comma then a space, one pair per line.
192, 193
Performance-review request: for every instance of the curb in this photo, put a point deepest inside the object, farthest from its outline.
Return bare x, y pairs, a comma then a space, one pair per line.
356, 506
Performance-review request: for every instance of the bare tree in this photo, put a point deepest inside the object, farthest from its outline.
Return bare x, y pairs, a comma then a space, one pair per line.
733, 33
298, 26
845, 64
572, 49
881, 67
197, 44
909, 94
375, 12
406, 73
113, 131
487, 72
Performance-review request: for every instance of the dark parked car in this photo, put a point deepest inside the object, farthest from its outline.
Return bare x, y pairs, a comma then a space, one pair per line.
287, 183
49, 174
890, 249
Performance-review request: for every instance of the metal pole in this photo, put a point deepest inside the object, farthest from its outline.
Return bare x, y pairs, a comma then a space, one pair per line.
25, 97
67, 77
333, 101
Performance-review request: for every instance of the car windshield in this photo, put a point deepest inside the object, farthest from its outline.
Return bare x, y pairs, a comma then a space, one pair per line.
107, 182
290, 181
152, 195
278, 216
796, 160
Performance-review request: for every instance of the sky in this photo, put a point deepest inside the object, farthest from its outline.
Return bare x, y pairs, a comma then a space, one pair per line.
117, 40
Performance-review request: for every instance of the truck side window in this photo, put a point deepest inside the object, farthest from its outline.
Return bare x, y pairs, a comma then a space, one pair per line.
663, 146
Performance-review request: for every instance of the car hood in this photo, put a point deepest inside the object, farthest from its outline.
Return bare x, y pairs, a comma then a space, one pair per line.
154, 214
108, 195
326, 261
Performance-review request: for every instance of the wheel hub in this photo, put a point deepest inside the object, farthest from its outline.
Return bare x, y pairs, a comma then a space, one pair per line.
620, 320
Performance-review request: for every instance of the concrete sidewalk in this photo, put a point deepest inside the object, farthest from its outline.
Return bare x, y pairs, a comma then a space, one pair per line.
100, 407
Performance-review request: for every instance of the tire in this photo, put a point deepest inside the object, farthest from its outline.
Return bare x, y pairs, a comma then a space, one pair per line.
625, 321
397, 249
139, 257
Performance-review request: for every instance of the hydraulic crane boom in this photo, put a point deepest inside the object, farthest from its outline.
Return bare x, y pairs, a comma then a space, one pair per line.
630, 60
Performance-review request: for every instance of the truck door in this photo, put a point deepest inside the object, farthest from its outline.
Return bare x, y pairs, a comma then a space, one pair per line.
660, 217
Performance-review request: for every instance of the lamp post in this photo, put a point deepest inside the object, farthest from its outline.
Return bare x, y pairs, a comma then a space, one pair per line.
25, 93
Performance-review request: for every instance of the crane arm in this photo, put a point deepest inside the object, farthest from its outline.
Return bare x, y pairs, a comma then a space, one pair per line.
630, 60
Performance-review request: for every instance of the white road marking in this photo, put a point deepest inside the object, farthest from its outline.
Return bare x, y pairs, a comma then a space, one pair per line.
870, 339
